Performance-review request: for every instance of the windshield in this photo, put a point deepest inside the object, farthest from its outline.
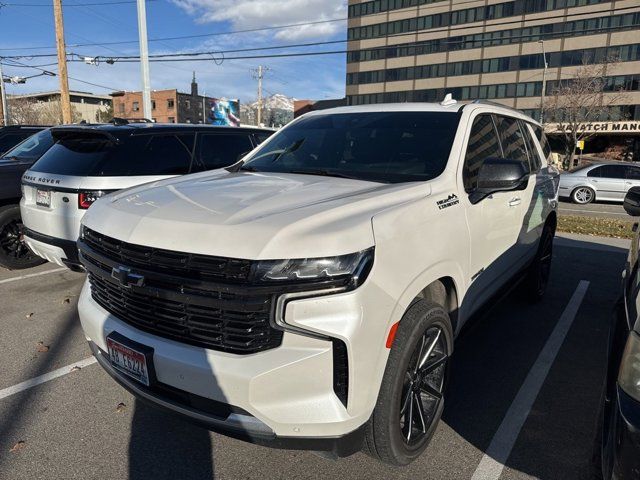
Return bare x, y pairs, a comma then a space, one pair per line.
389, 147
32, 148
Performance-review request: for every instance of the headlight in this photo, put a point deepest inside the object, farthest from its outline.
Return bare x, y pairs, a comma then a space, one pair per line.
353, 267
629, 376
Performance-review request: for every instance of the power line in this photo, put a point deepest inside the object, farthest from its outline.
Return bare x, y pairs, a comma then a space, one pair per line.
123, 2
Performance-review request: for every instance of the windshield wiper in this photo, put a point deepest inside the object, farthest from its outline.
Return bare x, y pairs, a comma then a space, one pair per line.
323, 173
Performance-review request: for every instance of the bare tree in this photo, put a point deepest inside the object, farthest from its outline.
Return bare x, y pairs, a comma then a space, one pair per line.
581, 100
27, 111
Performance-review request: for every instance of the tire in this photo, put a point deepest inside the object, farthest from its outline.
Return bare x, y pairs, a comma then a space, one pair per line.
391, 436
537, 277
14, 253
583, 195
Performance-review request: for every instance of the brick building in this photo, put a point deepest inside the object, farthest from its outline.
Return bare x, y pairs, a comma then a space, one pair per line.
167, 106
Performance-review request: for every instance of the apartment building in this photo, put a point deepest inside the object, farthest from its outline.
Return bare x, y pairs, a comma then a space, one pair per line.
419, 50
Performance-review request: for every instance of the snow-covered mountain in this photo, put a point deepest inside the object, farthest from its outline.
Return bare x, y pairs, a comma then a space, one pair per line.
278, 110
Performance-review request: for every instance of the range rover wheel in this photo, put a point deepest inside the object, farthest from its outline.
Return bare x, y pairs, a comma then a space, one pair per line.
411, 397
14, 253
537, 278
583, 195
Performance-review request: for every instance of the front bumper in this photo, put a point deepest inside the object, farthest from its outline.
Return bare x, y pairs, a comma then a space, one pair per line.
626, 461
56, 250
225, 419
288, 389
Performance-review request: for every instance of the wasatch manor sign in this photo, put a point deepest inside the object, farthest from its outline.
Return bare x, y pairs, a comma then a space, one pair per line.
597, 127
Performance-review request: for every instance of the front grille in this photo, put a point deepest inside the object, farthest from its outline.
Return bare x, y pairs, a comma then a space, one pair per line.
177, 302
159, 260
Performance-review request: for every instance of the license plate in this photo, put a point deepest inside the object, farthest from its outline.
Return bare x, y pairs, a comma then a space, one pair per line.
129, 361
43, 198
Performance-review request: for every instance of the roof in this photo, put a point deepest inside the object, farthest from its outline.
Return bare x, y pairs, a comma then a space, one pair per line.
424, 107
166, 127
57, 92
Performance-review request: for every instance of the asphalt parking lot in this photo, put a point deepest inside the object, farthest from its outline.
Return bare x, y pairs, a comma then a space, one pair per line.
522, 403
596, 209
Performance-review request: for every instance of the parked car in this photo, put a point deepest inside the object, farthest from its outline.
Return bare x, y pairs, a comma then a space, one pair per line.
88, 162
620, 432
599, 181
309, 297
12, 135
14, 253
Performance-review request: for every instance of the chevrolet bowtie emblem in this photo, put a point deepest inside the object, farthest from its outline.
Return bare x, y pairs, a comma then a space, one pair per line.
126, 278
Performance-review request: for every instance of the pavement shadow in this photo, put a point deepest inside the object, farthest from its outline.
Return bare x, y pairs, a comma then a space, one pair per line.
496, 350
163, 446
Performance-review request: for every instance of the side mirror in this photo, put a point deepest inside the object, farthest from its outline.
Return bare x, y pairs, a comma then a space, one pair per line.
632, 202
499, 175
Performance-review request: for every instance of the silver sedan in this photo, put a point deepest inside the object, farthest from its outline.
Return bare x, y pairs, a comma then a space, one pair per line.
599, 181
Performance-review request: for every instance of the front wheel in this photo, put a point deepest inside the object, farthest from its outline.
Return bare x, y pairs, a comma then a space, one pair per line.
14, 253
583, 195
411, 397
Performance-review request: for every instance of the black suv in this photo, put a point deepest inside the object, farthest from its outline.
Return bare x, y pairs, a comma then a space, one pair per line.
14, 253
12, 135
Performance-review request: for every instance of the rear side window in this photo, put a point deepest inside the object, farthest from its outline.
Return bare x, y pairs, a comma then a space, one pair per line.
483, 144
534, 157
261, 136
544, 142
221, 150
10, 140
33, 147
512, 139
633, 173
165, 154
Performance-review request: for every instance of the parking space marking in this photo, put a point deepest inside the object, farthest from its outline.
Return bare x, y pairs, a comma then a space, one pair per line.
31, 275
33, 382
493, 461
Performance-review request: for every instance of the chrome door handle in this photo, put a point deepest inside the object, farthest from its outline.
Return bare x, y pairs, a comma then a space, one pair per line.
515, 202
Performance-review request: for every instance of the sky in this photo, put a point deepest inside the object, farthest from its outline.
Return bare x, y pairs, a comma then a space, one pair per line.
25, 25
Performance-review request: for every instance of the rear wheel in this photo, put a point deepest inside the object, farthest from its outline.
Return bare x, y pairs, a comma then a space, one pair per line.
537, 278
583, 195
411, 397
14, 253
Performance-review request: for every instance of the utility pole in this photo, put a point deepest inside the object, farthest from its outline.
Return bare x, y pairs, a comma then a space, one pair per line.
144, 59
544, 81
4, 114
65, 100
259, 75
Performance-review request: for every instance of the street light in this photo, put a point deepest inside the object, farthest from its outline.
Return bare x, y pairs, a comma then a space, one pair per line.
544, 81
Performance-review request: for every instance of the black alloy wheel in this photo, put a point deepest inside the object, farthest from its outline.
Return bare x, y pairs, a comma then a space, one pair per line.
14, 253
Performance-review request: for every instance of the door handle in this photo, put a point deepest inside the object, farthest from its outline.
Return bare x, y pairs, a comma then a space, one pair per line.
515, 202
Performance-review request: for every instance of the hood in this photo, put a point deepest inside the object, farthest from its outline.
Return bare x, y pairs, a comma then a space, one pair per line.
250, 215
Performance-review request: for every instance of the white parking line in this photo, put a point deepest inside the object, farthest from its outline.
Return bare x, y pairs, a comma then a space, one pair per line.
493, 461
33, 382
30, 275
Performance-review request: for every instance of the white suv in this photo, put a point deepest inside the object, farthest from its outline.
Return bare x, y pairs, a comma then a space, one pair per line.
309, 296
88, 162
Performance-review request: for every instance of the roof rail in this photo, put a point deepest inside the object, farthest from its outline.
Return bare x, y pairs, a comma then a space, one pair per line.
495, 104
127, 121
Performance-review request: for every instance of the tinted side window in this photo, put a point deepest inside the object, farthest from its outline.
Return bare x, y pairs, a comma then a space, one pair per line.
595, 172
11, 140
222, 150
532, 149
633, 173
262, 136
544, 142
512, 139
612, 171
483, 144
33, 147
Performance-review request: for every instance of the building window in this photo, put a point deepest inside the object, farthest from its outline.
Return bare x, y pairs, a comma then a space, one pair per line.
172, 119
187, 103
136, 106
153, 104
121, 107
170, 103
